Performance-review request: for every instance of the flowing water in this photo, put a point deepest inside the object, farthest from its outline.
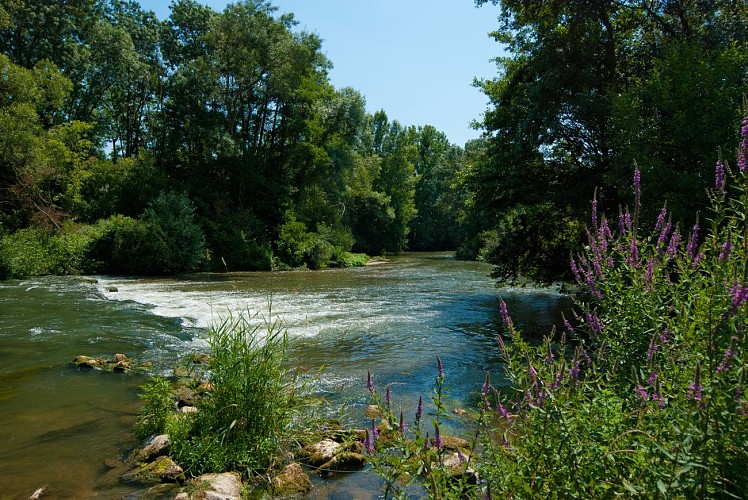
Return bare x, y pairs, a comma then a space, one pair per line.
59, 424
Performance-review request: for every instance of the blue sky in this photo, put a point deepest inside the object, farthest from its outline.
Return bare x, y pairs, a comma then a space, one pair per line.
416, 59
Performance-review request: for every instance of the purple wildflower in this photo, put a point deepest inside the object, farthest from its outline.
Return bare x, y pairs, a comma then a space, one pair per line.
653, 378
665, 336
726, 250
568, 327
502, 411
661, 220
574, 370
739, 294
586, 356
641, 392
594, 324
719, 177
672, 247
505, 315
594, 212
369, 382
656, 396
695, 389
549, 356
374, 431
439, 368
438, 442
388, 397
693, 241
637, 185
575, 271
403, 425
632, 257
486, 384
368, 443
419, 408
743, 151
652, 349
649, 273
726, 363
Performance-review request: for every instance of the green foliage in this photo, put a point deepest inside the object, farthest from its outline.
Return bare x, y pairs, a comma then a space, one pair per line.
158, 405
255, 406
411, 460
656, 84
237, 241
174, 214
37, 251
645, 395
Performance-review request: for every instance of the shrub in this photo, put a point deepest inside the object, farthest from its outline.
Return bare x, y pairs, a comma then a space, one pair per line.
255, 410
238, 242
184, 243
645, 394
129, 246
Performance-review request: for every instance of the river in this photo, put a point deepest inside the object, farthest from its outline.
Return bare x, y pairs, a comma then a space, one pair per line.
60, 424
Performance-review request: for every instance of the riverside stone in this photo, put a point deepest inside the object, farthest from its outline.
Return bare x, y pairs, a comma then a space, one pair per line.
225, 486
161, 470
292, 480
155, 447
321, 452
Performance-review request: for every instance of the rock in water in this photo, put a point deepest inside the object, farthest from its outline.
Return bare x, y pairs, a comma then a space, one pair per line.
292, 480
226, 486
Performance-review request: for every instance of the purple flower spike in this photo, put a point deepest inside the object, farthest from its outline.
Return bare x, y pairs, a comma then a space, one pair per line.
440, 368
438, 441
388, 398
693, 241
486, 384
369, 382
403, 425
726, 250
637, 185
505, 315
419, 408
502, 411
641, 392
368, 443
719, 177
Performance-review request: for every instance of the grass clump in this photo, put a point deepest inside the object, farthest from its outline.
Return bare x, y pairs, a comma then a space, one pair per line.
253, 411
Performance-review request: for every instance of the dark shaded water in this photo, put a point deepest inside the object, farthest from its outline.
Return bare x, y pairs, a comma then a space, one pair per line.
60, 424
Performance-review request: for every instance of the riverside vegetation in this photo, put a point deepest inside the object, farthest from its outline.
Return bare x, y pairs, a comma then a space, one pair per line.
641, 392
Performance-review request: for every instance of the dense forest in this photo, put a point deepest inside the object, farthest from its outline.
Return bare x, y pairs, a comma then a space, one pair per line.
215, 140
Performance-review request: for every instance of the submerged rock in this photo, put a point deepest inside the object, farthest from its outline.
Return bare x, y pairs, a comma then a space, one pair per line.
346, 461
163, 469
292, 480
118, 363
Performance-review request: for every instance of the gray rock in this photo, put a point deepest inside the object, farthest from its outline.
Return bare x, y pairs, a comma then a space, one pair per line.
155, 447
226, 486
321, 452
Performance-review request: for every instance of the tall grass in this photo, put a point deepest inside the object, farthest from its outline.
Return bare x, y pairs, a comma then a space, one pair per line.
254, 410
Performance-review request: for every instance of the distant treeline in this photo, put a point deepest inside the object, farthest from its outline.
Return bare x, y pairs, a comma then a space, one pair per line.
214, 140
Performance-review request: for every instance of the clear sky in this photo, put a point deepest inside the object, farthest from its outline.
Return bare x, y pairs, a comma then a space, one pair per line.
416, 59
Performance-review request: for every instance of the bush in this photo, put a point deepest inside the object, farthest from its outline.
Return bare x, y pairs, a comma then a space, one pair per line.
238, 242
255, 410
129, 246
648, 398
38, 251
184, 242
